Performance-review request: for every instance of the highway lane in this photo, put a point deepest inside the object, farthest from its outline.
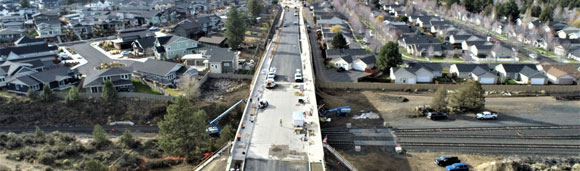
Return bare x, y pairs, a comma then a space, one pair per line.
287, 56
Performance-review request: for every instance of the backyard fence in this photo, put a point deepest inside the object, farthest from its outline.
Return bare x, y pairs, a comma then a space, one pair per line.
400, 87
230, 76
122, 94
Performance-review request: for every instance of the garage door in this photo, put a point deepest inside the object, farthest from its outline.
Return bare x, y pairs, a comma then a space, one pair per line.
358, 67
411, 81
565, 81
487, 81
537, 81
423, 79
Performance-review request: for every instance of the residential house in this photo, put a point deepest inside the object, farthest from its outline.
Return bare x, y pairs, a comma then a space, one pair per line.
565, 46
10, 35
415, 73
421, 45
213, 41
554, 27
365, 63
187, 28
159, 72
504, 54
28, 52
342, 62
221, 60
463, 70
512, 71
438, 26
173, 46
540, 43
26, 41
531, 76
57, 79
534, 24
47, 25
332, 21
574, 54
458, 38
483, 76
144, 46
563, 74
473, 40
120, 77
44, 4
126, 37
435, 68
9, 69
563, 34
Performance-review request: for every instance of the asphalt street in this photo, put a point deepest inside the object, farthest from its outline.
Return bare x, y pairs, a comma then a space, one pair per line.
287, 56
93, 57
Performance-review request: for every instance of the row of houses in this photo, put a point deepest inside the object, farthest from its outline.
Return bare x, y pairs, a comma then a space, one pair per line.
528, 74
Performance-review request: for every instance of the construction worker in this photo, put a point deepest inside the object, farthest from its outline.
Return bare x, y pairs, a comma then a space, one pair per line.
280, 122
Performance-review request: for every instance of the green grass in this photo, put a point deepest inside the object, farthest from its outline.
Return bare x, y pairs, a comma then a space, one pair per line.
173, 92
143, 88
511, 82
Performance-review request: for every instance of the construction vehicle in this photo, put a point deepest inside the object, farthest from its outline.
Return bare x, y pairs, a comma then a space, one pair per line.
262, 104
270, 84
214, 129
340, 111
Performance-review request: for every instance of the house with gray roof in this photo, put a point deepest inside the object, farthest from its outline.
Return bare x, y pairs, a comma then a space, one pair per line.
47, 25
415, 73
57, 79
10, 34
221, 60
343, 62
213, 41
512, 71
144, 46
365, 63
172, 46
39, 51
26, 41
120, 77
159, 72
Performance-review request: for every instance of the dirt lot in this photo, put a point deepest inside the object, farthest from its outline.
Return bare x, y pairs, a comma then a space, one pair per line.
513, 111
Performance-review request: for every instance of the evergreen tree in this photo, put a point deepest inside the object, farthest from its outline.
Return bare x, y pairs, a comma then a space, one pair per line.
339, 42
38, 133
439, 100
235, 28
389, 56
470, 98
109, 92
183, 130
255, 7
547, 13
47, 94
100, 137
227, 134
93, 165
31, 94
73, 95
127, 140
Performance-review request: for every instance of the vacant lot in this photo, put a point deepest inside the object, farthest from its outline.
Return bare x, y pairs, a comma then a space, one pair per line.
513, 111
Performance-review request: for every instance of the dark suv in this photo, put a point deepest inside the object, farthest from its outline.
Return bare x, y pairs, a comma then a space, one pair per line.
436, 115
446, 160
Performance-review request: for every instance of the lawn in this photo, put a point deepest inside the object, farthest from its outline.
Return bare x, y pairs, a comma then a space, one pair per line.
173, 92
143, 88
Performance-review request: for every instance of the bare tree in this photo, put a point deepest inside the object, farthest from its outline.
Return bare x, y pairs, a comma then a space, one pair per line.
189, 86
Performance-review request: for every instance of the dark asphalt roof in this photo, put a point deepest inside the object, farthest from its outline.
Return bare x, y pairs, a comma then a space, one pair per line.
167, 39
347, 58
517, 67
220, 54
160, 49
155, 67
27, 49
147, 42
531, 72
26, 79
369, 59
342, 52
471, 67
94, 79
216, 40
25, 40
428, 66
52, 75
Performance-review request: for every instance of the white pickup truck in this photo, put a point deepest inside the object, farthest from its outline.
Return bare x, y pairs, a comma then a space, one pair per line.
486, 115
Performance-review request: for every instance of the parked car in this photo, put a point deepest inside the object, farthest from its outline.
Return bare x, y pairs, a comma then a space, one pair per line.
272, 73
295, 22
295, 14
436, 115
298, 76
341, 69
533, 55
486, 115
126, 53
154, 28
457, 167
446, 160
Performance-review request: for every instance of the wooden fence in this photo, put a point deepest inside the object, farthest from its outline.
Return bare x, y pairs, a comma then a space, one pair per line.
230, 76
401, 87
123, 94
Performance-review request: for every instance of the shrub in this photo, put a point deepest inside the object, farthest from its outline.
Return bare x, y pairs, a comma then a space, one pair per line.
47, 158
13, 142
156, 164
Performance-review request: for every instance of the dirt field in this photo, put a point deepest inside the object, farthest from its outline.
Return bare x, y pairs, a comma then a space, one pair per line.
513, 111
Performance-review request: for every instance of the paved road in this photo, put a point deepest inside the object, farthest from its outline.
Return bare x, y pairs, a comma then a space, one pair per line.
93, 57
287, 56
